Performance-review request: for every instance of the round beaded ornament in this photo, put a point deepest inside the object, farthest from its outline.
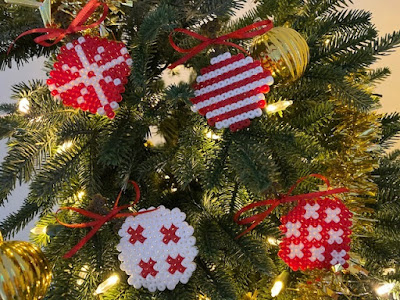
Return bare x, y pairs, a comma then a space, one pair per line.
90, 74
231, 91
157, 249
316, 234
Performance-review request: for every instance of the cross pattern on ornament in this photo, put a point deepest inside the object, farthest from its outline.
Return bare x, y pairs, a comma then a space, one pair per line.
295, 250
311, 211
316, 253
176, 264
314, 232
293, 229
335, 236
91, 75
332, 215
338, 257
170, 234
136, 235
148, 268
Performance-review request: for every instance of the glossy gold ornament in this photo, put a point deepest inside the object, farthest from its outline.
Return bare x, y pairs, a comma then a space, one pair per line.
25, 273
283, 51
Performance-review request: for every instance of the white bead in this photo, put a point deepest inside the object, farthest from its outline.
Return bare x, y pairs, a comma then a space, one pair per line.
270, 80
97, 57
108, 79
69, 46
81, 40
114, 105
100, 49
117, 81
101, 111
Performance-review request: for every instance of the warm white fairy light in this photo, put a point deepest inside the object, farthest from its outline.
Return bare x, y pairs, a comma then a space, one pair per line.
65, 146
82, 275
279, 283
212, 135
273, 241
80, 195
278, 106
384, 289
107, 284
24, 105
39, 230
277, 288
388, 271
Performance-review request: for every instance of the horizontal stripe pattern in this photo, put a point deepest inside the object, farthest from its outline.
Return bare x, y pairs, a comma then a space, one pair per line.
231, 90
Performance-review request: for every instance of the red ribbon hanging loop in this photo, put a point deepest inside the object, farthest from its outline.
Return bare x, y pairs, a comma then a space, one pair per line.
57, 34
250, 31
100, 220
256, 219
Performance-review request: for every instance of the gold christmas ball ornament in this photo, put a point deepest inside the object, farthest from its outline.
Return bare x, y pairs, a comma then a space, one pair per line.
25, 273
283, 51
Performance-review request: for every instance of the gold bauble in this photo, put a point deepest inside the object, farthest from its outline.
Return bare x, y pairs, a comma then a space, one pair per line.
283, 51
25, 273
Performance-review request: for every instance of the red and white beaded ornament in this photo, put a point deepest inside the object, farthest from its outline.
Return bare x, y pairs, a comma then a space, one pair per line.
316, 234
157, 249
90, 74
231, 91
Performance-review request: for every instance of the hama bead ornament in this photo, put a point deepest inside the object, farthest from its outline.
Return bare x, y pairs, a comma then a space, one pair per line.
157, 249
316, 234
231, 91
90, 74
316, 231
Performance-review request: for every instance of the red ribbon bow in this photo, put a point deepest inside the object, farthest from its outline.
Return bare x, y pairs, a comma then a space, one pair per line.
250, 31
258, 218
76, 25
99, 219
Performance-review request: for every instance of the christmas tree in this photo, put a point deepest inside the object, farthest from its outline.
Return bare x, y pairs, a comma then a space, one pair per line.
320, 118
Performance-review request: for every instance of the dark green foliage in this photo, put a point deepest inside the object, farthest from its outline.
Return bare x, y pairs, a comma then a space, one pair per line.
68, 156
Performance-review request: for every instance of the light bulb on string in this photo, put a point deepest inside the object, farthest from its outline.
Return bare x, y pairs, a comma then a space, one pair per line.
279, 283
384, 289
24, 106
278, 107
212, 135
107, 284
82, 275
65, 146
39, 230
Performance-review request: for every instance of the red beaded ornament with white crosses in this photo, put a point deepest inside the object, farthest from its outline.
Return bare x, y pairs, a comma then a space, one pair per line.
316, 234
90, 74
231, 91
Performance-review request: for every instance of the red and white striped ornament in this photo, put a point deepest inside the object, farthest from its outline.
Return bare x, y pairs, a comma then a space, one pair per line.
316, 234
90, 74
231, 91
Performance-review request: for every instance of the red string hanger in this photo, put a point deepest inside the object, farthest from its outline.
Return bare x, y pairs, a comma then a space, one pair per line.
100, 220
247, 32
316, 232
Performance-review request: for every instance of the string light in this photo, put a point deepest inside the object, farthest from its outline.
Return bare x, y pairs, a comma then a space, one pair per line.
388, 271
107, 284
24, 105
80, 195
82, 275
212, 135
39, 230
279, 283
384, 289
278, 106
273, 241
65, 146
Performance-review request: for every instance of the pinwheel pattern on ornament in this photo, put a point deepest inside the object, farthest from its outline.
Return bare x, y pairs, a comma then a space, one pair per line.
90, 74
316, 234
157, 249
231, 91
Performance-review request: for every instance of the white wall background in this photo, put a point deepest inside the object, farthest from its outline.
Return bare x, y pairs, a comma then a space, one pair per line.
385, 16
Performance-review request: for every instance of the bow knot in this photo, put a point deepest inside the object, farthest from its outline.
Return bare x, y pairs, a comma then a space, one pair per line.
256, 219
250, 31
57, 34
99, 220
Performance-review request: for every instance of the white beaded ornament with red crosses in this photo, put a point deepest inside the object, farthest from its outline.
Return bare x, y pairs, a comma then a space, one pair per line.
231, 91
316, 234
157, 249
90, 74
